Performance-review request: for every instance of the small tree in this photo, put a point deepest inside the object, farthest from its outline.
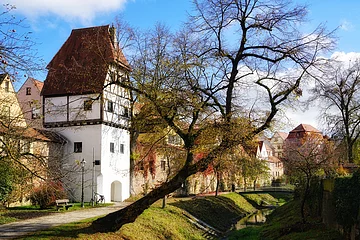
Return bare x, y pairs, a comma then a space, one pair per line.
306, 159
46, 193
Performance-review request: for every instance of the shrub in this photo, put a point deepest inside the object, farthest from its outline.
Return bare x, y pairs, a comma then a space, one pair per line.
46, 193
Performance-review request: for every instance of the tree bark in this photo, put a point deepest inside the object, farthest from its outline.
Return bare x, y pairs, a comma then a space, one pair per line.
164, 202
303, 201
217, 183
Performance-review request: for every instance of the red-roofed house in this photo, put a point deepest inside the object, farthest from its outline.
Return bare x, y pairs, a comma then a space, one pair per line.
92, 114
300, 132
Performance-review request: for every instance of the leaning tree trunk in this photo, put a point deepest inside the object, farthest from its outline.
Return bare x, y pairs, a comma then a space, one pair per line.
114, 221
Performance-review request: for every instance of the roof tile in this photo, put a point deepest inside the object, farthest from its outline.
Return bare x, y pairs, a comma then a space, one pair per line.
82, 63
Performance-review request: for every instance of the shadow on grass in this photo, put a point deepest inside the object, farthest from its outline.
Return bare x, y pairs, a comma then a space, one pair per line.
71, 230
219, 212
28, 214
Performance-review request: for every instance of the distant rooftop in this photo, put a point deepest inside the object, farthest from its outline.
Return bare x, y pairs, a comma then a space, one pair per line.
305, 128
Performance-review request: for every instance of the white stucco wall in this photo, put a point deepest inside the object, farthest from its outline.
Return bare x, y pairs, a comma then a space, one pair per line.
114, 167
55, 109
76, 107
62, 109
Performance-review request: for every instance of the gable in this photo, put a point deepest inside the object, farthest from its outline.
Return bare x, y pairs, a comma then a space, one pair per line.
10, 109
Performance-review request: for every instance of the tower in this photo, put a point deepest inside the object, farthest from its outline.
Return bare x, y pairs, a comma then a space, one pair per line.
83, 101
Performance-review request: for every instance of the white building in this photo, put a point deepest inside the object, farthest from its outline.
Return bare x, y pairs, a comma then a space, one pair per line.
81, 105
264, 152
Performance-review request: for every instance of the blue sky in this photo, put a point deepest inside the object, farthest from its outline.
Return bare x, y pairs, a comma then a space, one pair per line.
51, 22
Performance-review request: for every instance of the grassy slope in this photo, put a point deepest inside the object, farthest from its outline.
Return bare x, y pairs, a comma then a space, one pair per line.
220, 212
169, 223
285, 224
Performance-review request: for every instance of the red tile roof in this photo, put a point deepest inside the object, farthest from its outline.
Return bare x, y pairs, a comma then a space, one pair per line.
283, 135
38, 84
305, 128
33, 133
82, 63
273, 159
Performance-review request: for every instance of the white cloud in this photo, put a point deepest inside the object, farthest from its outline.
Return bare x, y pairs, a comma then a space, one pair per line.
346, 25
345, 57
69, 10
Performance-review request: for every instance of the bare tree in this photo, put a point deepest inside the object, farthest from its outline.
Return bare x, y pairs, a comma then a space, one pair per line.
307, 158
339, 92
24, 151
190, 79
17, 50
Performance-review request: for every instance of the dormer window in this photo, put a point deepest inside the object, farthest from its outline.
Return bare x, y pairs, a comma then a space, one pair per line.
110, 106
28, 91
88, 105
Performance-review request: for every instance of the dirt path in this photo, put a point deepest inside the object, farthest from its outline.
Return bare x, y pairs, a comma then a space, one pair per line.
21, 228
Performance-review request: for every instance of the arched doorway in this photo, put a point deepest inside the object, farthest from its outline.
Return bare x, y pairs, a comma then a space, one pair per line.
116, 190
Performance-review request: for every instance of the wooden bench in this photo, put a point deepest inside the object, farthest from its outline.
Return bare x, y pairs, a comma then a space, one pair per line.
62, 204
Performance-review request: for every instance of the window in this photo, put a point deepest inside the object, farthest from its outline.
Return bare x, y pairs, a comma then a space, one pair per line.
126, 112
35, 113
77, 147
112, 147
162, 165
6, 86
174, 140
88, 105
121, 148
28, 91
110, 106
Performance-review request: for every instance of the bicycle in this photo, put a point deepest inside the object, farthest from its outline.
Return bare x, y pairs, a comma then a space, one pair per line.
98, 199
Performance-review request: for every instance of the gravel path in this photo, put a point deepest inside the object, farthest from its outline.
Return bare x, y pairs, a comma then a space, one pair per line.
21, 228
